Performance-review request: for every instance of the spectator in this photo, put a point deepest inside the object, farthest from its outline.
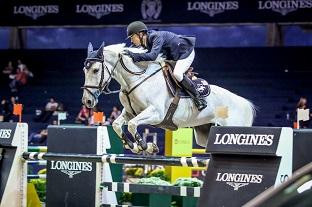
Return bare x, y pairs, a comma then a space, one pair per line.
48, 111
303, 104
83, 116
114, 114
38, 138
5, 110
20, 78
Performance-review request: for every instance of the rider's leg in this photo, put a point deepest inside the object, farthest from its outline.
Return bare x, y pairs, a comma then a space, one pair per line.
149, 116
118, 124
180, 68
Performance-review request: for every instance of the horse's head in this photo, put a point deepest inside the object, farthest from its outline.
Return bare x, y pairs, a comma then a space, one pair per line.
97, 76
100, 67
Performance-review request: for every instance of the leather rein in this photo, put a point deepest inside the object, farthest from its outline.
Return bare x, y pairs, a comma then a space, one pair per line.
103, 87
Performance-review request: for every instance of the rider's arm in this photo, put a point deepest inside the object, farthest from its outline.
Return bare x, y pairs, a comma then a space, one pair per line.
157, 43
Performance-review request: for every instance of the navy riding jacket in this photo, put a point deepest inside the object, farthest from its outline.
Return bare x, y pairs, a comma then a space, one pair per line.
172, 46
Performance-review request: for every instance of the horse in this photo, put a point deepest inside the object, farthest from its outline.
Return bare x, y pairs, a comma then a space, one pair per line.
146, 99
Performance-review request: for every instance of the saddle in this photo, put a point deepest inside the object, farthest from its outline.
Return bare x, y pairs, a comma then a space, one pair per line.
177, 91
173, 85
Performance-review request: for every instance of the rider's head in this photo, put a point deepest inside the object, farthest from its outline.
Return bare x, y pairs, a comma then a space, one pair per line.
136, 31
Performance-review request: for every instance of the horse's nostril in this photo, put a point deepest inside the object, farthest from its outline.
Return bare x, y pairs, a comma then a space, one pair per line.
89, 102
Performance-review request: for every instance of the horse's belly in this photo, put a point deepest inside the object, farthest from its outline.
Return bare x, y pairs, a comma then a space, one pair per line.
187, 115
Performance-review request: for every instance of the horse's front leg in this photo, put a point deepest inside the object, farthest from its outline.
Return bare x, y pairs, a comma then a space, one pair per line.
118, 128
149, 116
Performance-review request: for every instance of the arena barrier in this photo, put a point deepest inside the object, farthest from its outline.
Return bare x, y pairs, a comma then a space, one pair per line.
244, 162
75, 183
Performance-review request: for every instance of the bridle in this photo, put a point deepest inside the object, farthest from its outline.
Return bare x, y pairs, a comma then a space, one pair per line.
103, 87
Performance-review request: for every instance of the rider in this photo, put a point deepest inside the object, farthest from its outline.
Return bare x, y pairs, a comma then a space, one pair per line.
175, 47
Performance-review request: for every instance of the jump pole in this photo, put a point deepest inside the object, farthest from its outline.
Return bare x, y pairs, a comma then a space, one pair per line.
119, 159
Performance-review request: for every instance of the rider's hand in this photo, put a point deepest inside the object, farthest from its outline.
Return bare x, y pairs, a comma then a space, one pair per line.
128, 53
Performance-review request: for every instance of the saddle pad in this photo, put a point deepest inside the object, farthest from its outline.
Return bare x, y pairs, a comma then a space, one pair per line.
201, 86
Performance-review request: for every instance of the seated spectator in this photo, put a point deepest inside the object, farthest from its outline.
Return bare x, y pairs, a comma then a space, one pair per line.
114, 114
83, 116
303, 104
20, 78
5, 110
48, 111
38, 138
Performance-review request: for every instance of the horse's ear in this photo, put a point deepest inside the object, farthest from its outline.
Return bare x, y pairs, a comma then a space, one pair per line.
90, 48
100, 51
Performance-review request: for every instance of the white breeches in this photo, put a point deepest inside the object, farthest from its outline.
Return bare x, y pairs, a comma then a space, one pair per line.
182, 66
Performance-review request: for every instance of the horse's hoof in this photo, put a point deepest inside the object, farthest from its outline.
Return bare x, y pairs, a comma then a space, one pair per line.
127, 147
152, 148
136, 149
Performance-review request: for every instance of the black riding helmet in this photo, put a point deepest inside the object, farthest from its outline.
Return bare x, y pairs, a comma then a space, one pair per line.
135, 27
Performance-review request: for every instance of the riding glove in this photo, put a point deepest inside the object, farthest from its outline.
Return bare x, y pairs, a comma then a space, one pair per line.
130, 54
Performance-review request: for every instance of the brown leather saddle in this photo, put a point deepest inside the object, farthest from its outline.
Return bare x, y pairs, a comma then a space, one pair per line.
177, 91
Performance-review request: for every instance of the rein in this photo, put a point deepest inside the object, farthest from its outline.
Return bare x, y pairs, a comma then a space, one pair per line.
129, 71
104, 87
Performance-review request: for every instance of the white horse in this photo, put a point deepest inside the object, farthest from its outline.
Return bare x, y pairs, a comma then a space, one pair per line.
146, 99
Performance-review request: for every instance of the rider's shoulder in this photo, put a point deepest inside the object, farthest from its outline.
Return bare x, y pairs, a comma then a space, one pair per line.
153, 32
159, 33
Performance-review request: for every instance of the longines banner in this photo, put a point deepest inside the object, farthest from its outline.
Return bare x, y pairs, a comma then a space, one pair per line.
121, 12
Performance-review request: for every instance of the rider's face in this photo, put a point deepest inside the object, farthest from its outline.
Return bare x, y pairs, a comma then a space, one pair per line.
135, 39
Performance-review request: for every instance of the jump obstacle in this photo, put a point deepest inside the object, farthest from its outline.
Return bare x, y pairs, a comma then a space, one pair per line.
119, 159
244, 161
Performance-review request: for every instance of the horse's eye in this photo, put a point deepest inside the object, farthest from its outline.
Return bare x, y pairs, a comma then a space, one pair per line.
95, 70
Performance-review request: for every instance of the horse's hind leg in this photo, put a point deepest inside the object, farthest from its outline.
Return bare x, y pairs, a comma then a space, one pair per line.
118, 125
148, 116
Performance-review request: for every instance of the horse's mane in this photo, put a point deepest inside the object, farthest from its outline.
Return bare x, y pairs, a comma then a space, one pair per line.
119, 48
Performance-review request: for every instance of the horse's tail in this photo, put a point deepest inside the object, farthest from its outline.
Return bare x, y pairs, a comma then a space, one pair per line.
243, 111
251, 112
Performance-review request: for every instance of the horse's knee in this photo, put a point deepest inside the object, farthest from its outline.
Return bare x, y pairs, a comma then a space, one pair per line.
117, 128
132, 127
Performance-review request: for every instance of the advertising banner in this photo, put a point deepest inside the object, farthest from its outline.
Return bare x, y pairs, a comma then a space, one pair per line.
121, 12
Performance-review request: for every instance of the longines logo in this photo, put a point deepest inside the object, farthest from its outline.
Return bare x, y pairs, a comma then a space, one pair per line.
71, 168
284, 6
244, 139
36, 11
5, 133
212, 7
237, 180
150, 10
99, 10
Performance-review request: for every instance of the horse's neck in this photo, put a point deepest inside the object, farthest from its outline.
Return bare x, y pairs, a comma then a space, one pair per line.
126, 79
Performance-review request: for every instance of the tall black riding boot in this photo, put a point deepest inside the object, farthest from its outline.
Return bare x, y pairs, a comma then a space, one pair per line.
191, 90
